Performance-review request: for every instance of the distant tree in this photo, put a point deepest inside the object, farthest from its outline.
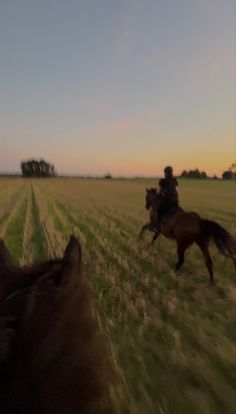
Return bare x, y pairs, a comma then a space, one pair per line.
184, 173
194, 174
230, 173
108, 176
203, 175
34, 168
227, 175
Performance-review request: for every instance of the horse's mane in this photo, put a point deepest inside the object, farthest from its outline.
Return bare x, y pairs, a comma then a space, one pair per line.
152, 190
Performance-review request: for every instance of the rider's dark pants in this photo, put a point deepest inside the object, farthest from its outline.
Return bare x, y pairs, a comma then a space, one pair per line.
165, 207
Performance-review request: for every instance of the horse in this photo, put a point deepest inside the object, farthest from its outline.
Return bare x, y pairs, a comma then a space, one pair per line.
52, 356
188, 228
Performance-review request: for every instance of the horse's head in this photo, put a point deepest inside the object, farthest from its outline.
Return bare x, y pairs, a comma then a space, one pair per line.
50, 351
36, 295
151, 197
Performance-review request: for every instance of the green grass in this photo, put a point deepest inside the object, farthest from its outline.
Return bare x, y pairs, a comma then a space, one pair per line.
173, 337
15, 232
171, 358
4, 215
38, 241
58, 225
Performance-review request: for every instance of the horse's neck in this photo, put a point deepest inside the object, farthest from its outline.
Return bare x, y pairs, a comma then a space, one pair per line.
180, 209
154, 203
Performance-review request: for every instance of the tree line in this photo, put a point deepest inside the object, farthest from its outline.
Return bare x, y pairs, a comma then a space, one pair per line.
41, 168
194, 174
229, 174
35, 168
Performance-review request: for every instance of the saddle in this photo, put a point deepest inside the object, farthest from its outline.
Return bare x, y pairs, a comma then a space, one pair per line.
170, 212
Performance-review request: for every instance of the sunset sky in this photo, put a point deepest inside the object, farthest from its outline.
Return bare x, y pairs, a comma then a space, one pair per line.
120, 86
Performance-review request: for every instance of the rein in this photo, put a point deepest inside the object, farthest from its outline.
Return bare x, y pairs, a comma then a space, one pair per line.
29, 288
13, 296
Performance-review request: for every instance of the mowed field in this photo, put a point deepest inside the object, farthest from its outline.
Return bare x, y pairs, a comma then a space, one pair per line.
172, 337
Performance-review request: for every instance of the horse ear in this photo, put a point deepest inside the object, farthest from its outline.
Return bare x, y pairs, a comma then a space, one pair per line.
5, 256
72, 255
71, 264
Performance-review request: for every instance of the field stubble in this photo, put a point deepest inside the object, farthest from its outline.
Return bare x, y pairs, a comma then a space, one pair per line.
172, 337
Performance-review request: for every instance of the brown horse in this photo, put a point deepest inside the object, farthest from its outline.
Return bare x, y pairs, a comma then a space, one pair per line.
52, 356
188, 228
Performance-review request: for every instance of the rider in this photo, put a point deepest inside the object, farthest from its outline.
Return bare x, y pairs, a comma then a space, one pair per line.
168, 193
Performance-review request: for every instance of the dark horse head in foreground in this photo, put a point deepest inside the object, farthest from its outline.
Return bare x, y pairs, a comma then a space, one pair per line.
52, 358
188, 228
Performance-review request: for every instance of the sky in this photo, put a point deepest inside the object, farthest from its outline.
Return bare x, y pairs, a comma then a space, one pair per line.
126, 87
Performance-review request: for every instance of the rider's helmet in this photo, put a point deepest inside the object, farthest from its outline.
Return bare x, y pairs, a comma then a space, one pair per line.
168, 171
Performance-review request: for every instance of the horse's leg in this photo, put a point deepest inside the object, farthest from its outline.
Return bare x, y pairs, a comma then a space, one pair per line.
154, 238
147, 226
204, 249
180, 252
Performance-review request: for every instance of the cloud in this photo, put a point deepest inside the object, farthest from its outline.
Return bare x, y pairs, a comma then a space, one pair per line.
118, 127
123, 127
125, 37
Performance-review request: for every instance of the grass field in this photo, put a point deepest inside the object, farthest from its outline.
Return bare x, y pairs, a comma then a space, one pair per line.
173, 339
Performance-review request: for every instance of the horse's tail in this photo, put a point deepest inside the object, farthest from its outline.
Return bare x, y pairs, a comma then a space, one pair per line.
225, 243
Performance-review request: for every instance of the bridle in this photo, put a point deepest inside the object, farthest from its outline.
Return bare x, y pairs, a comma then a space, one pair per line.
13, 296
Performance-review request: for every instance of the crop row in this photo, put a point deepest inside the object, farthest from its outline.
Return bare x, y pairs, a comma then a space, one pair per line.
172, 338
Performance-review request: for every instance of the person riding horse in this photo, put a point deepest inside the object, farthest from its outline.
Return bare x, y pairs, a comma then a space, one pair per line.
186, 228
168, 195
